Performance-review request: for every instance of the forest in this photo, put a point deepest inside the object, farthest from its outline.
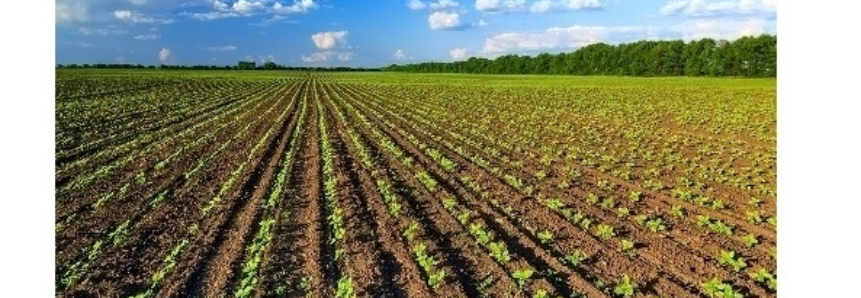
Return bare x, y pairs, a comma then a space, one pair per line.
745, 57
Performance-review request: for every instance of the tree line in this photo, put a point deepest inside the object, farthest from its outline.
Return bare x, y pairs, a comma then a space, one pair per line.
745, 57
241, 65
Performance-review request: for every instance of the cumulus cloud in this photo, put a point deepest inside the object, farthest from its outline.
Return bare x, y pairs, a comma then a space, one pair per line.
164, 55
500, 5
213, 15
221, 49
328, 40
440, 20
328, 56
110, 30
400, 55
443, 4
136, 17
147, 37
702, 8
71, 11
570, 38
245, 8
416, 5
565, 5
458, 53
296, 7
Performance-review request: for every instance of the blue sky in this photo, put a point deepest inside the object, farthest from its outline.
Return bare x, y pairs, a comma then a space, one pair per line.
374, 33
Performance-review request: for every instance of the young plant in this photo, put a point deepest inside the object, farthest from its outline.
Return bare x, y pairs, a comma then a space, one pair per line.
410, 231
729, 259
715, 288
718, 205
604, 231
554, 204
656, 225
762, 276
608, 203
703, 220
627, 247
641, 219
449, 203
345, 287
625, 287
635, 196
677, 211
540, 294
563, 185
463, 217
750, 240
753, 216
545, 236
575, 258
540, 175
499, 252
592, 199
623, 212
521, 276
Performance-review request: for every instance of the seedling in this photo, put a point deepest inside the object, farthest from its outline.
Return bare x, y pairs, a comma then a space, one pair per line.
345, 287
625, 287
718, 205
436, 279
521, 276
627, 247
410, 231
677, 211
604, 231
750, 240
623, 212
729, 258
762, 276
575, 258
545, 236
592, 199
499, 252
540, 294
449, 203
753, 216
563, 185
635, 196
540, 175
463, 217
608, 203
554, 204
641, 219
715, 288
656, 225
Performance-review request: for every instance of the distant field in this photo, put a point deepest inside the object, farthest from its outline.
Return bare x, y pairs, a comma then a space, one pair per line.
271, 184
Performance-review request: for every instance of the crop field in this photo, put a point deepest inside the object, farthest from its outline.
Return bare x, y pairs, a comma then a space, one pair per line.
274, 184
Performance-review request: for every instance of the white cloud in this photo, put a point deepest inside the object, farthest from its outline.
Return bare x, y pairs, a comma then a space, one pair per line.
443, 4
552, 38
213, 15
720, 29
328, 40
416, 5
221, 49
328, 56
444, 20
400, 55
571, 38
565, 5
71, 11
101, 31
702, 8
500, 5
164, 55
458, 53
482, 23
147, 37
247, 7
136, 17
296, 7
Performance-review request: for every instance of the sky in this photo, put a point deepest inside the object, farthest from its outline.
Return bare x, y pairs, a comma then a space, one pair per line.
375, 33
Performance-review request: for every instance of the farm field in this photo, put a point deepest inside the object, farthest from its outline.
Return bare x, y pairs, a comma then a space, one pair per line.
274, 184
